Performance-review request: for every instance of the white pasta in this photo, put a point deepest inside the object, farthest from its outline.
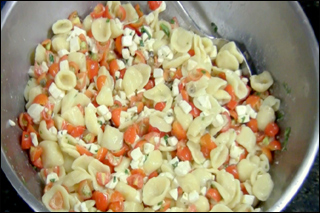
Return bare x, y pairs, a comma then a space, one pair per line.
45, 133
246, 138
112, 138
132, 15
232, 48
202, 176
59, 42
130, 206
226, 60
159, 93
265, 116
155, 190
157, 120
183, 118
202, 204
91, 121
40, 54
116, 30
49, 195
87, 22
94, 167
51, 155
179, 59
245, 168
261, 82
197, 88
129, 193
73, 178
74, 116
196, 152
272, 102
153, 162
62, 26
132, 80
197, 127
181, 40
105, 96
65, 80
82, 163
240, 89
220, 208
218, 156
101, 29
262, 187
79, 59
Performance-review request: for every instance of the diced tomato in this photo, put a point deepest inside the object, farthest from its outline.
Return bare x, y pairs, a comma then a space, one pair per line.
207, 145
113, 160
98, 11
140, 57
130, 135
56, 202
121, 152
77, 131
274, 145
92, 68
191, 52
175, 24
101, 200
83, 151
38, 163
106, 13
153, 174
195, 112
121, 13
178, 131
118, 45
136, 181
35, 153
138, 172
253, 125
26, 141
54, 69
140, 144
183, 152
160, 106
101, 81
149, 85
113, 67
185, 95
272, 129
41, 99
165, 205
192, 208
116, 197
85, 190
268, 153
226, 127
103, 178
222, 75
214, 195
254, 101
25, 120
153, 5
138, 10
116, 206
102, 153
74, 18
232, 169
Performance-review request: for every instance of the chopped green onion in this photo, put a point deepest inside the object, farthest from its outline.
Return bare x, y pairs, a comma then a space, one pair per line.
175, 165
40, 132
141, 43
265, 141
100, 122
143, 30
52, 180
165, 29
166, 139
114, 179
83, 45
172, 21
126, 172
214, 26
286, 138
108, 20
279, 115
203, 71
51, 58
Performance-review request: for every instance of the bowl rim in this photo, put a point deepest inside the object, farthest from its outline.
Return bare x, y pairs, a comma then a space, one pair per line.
288, 194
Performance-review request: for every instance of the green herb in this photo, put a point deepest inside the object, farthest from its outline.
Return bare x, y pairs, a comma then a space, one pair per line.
146, 157
35, 168
40, 132
100, 122
96, 150
69, 142
52, 180
175, 165
279, 115
165, 29
203, 71
75, 96
242, 119
126, 172
160, 203
166, 139
43, 82
114, 179
286, 138
117, 78
202, 118
143, 30
286, 87
265, 141
26, 135
108, 20
214, 26
51, 58
172, 21
130, 34
141, 43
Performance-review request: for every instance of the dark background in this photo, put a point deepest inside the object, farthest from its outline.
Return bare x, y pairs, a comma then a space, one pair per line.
306, 200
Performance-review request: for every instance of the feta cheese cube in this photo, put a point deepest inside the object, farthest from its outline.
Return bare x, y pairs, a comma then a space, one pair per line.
149, 44
133, 109
90, 105
193, 196
78, 31
64, 65
251, 111
204, 101
148, 148
117, 74
35, 112
238, 72
125, 53
172, 141
243, 118
175, 90
119, 84
144, 36
248, 199
183, 168
185, 198
174, 161
191, 65
102, 110
31, 71
122, 95
235, 151
129, 32
52, 177
174, 193
45, 67
112, 183
118, 23
101, 120
11, 122
126, 41
84, 207
173, 70
241, 110
185, 106
169, 56
107, 116
56, 92
136, 154
61, 133
63, 52
218, 121
136, 39
133, 48
34, 139
157, 73
129, 62
158, 80
120, 64
149, 18
74, 44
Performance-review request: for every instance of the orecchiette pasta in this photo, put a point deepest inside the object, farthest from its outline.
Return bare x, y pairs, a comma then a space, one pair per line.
261, 82
155, 190
101, 29
51, 155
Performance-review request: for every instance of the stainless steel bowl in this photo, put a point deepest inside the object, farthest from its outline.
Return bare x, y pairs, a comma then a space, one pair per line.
277, 34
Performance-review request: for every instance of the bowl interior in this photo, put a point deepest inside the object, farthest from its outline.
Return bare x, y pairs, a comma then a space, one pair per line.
277, 35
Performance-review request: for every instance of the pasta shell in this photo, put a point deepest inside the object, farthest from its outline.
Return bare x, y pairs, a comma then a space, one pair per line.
101, 29
218, 156
62, 26
91, 120
155, 190
46, 198
246, 138
196, 152
112, 138
232, 48
87, 22
159, 93
132, 80
178, 60
131, 13
240, 88
261, 82
157, 120
226, 60
59, 42
65, 80
79, 59
40, 54
51, 155
265, 116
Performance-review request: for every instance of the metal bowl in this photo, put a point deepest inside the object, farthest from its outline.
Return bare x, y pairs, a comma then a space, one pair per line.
277, 34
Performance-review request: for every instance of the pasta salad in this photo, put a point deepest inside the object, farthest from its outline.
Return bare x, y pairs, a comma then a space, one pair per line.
129, 112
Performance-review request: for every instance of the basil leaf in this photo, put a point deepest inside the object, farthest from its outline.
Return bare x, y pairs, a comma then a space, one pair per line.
143, 30
165, 29
286, 138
